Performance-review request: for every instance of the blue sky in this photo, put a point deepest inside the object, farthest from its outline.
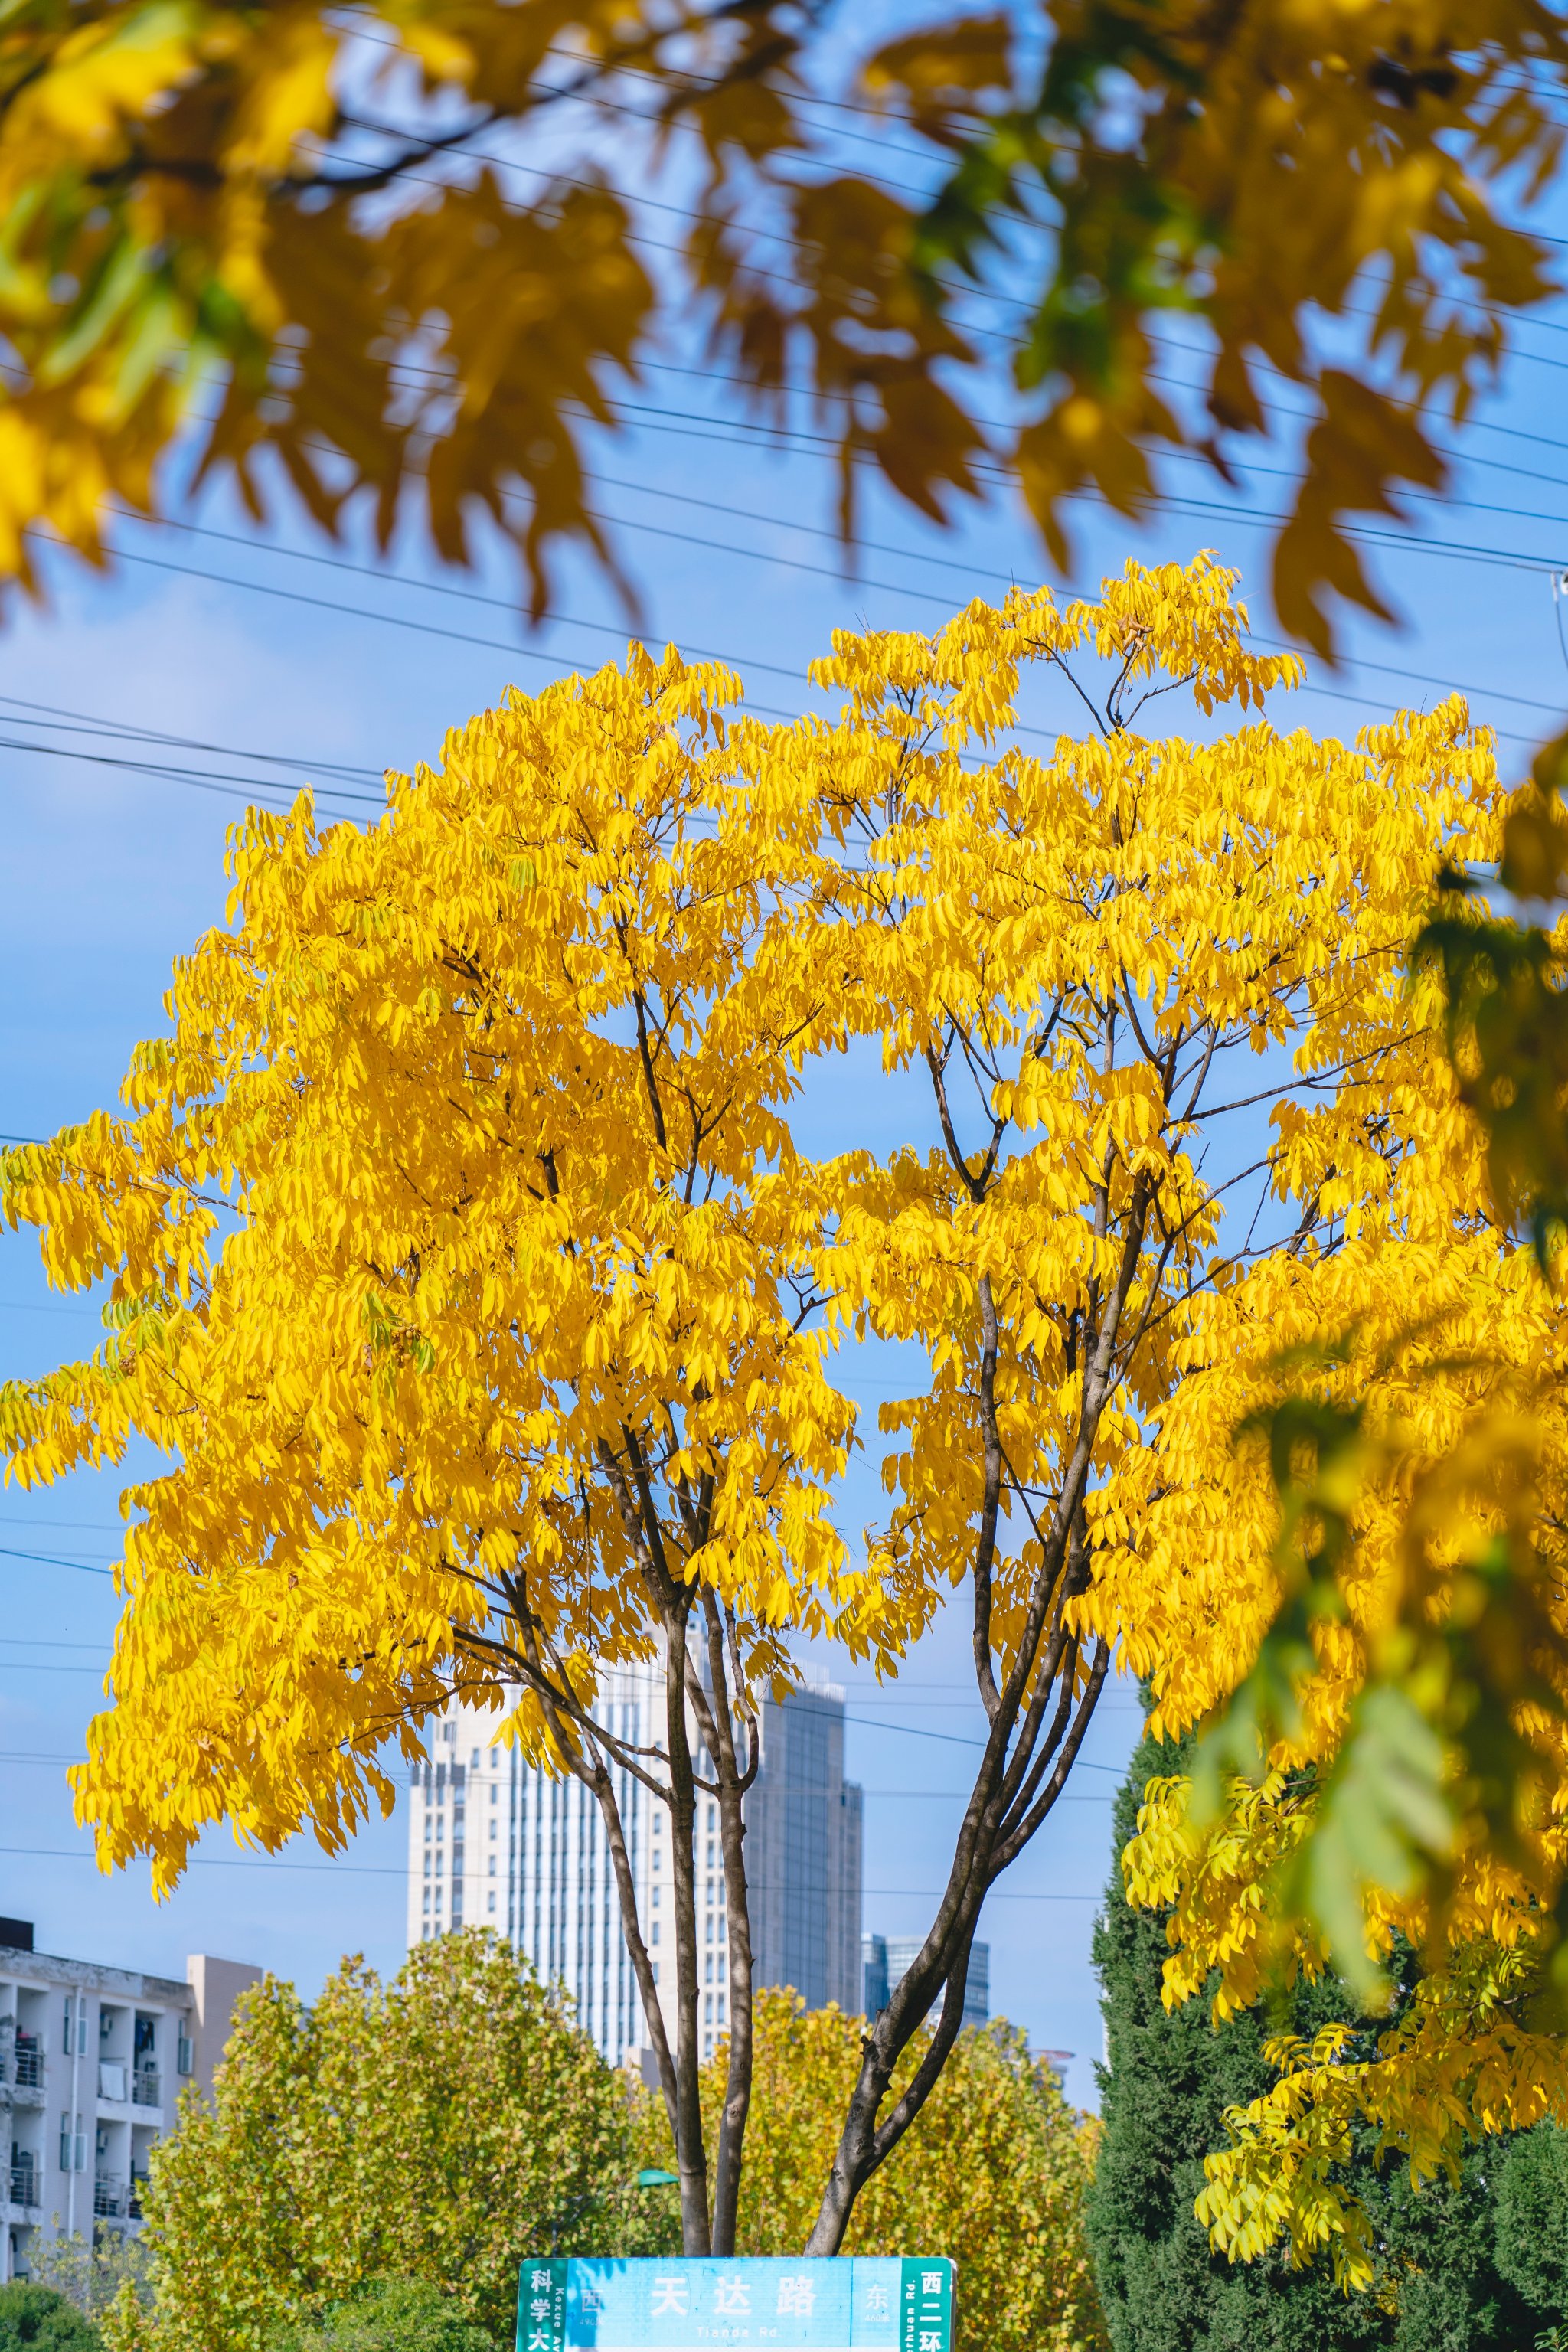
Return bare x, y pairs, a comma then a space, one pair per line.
109, 874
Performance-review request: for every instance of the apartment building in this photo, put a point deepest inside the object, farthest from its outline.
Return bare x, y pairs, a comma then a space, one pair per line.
886, 1960
92, 2060
494, 1840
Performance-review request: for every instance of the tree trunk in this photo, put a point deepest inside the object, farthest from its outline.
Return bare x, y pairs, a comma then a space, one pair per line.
722, 1768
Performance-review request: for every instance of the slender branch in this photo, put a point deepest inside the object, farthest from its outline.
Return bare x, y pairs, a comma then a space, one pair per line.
655, 1104
901, 2115
1008, 1849
990, 1504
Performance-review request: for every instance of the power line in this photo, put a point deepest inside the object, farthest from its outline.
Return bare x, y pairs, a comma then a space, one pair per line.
362, 613
960, 285
386, 1870
204, 780
970, 291
76, 1527
60, 721
51, 1560
37, 1306
796, 675
745, 553
586, 94
42, 1666
242, 787
660, 419
913, 1796
1251, 519
25, 1641
591, 97
957, 1739
869, 1723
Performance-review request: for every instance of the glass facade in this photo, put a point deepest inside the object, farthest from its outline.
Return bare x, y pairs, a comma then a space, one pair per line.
496, 1842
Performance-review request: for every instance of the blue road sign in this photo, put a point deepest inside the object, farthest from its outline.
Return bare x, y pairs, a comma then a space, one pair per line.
844, 2304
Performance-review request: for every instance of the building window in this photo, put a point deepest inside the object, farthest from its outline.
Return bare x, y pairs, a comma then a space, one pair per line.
653, 1936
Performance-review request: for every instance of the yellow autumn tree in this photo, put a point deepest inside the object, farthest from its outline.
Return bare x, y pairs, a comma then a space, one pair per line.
1390, 1771
995, 2172
393, 259
465, 1267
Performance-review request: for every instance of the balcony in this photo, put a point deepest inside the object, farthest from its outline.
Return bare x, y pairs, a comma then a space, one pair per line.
27, 2066
109, 2198
25, 2189
146, 2087
133, 2201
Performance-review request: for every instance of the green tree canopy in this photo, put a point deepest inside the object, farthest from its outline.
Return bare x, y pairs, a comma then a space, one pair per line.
1167, 2080
388, 2315
37, 2319
438, 2128
1532, 2219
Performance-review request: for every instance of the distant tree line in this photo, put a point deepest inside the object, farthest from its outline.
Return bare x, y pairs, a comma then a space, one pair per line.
373, 2166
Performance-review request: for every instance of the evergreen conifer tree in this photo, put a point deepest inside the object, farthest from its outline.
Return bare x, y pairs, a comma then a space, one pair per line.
1166, 2081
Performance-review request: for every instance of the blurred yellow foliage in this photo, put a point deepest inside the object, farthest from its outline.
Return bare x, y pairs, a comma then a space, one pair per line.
293, 241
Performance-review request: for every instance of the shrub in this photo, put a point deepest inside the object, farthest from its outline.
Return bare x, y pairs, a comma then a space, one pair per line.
37, 2319
389, 2315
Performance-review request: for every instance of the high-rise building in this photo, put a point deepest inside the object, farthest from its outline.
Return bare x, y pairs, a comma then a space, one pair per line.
499, 1842
496, 1842
92, 2059
885, 1960
803, 1853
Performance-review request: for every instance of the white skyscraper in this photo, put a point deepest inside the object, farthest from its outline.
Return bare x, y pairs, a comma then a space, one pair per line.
494, 1842
497, 1842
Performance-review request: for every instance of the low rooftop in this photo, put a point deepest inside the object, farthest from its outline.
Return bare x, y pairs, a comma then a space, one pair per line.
21, 1964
